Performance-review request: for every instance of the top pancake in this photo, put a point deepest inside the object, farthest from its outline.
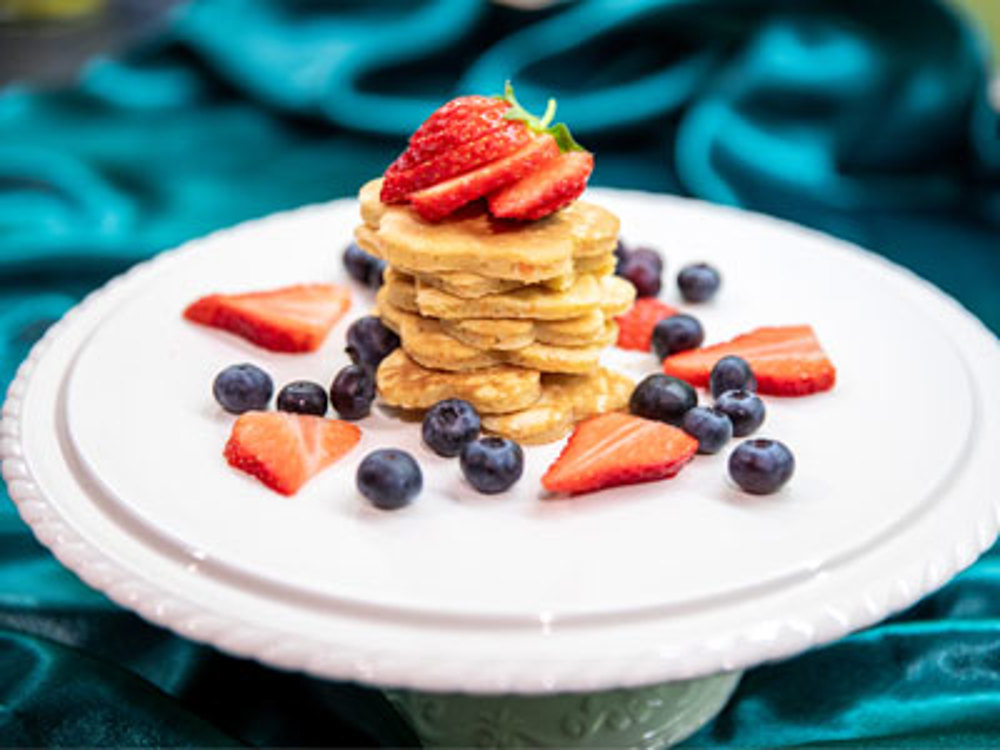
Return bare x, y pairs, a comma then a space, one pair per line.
474, 242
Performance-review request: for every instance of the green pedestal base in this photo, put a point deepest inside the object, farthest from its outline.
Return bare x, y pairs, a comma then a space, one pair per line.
654, 716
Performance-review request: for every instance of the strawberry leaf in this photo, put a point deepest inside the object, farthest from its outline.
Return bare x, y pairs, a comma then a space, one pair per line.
564, 138
560, 131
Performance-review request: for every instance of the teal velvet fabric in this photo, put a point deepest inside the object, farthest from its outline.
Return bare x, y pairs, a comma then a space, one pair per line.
868, 120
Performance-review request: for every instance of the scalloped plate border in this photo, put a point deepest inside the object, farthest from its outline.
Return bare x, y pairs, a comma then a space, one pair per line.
761, 637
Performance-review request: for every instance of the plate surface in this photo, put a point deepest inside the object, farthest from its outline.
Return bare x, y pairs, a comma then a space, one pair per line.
513, 592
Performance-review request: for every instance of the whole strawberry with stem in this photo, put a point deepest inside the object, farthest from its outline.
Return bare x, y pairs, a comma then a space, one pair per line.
478, 147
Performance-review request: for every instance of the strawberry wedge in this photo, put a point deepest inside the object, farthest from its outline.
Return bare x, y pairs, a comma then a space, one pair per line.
398, 184
552, 186
615, 449
290, 319
787, 361
635, 328
437, 202
460, 121
283, 450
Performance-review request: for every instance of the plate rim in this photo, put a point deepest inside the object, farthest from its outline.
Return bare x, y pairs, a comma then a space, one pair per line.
166, 608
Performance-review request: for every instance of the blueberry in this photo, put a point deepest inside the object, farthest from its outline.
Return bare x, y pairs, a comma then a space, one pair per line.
389, 478
369, 341
663, 398
761, 466
492, 464
644, 268
303, 397
449, 425
353, 391
731, 373
621, 253
676, 334
242, 388
698, 282
363, 267
744, 409
709, 426
648, 256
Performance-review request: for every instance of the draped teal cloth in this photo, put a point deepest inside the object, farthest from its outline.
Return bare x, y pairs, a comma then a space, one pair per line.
865, 119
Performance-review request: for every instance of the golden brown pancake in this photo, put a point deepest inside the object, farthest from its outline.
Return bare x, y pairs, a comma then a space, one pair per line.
429, 345
566, 399
611, 295
472, 241
405, 384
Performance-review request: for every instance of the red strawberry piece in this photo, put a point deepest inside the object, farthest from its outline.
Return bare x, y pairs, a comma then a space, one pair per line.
786, 361
545, 190
290, 319
399, 184
284, 450
460, 121
635, 328
435, 203
615, 449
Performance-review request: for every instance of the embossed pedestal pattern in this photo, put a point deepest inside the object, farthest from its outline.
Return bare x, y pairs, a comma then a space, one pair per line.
655, 716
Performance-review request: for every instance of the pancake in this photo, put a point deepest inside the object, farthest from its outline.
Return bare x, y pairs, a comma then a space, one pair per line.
565, 400
495, 390
591, 329
474, 286
472, 241
429, 345
611, 295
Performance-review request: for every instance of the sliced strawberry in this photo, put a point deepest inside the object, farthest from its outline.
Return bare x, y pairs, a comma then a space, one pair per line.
290, 319
615, 449
505, 140
546, 190
460, 121
787, 361
285, 450
635, 328
437, 202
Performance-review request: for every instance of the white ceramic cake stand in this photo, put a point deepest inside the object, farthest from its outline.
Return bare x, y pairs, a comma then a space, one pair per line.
619, 618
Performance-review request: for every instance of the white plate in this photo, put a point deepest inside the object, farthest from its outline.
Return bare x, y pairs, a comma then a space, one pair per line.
112, 447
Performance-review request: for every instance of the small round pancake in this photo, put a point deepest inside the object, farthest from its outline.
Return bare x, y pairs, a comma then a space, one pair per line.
591, 329
473, 285
565, 400
427, 343
405, 384
473, 241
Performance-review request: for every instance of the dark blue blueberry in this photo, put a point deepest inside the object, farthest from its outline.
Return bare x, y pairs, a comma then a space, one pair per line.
353, 391
744, 409
242, 388
677, 334
731, 373
761, 466
389, 478
648, 256
369, 341
698, 282
709, 426
449, 425
621, 253
303, 397
363, 267
644, 268
492, 464
663, 398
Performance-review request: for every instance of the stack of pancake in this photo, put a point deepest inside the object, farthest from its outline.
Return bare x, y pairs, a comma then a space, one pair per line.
511, 317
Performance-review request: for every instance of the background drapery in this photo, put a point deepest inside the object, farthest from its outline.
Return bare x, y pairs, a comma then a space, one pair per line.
868, 120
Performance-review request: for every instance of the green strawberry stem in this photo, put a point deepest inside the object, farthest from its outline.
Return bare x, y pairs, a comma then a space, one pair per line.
559, 131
